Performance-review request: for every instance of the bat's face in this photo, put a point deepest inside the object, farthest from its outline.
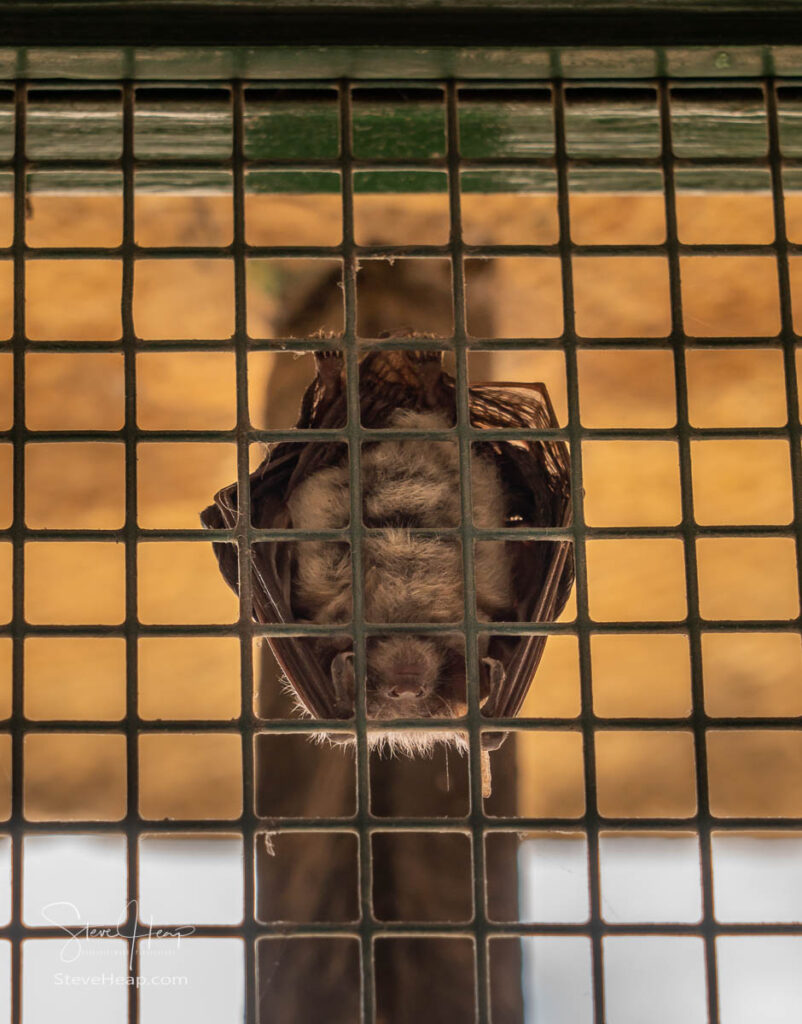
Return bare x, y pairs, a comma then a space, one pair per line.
413, 677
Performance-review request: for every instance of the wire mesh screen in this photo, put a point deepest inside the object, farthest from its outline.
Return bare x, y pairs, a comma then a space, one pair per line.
155, 796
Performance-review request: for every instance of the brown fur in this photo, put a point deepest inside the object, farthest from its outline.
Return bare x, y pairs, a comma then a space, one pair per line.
407, 578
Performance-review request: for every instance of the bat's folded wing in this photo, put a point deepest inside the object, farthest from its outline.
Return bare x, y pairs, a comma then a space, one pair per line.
270, 575
536, 475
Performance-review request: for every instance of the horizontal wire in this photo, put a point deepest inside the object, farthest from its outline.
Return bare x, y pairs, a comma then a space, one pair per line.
593, 626
392, 252
371, 822
346, 727
477, 434
383, 929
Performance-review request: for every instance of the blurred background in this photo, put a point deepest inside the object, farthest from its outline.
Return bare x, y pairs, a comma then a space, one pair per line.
627, 483
641, 773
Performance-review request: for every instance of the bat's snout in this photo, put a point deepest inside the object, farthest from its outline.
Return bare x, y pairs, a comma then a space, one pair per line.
409, 682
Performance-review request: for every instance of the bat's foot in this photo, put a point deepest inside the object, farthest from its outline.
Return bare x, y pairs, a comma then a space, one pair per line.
431, 368
425, 356
419, 369
329, 368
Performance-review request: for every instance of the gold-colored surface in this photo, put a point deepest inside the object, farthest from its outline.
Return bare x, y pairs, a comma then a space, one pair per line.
626, 483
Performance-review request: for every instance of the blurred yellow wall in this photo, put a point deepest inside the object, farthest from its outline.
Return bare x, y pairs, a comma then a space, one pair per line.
627, 483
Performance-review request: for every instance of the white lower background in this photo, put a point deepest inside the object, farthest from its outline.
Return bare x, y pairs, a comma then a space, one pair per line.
645, 878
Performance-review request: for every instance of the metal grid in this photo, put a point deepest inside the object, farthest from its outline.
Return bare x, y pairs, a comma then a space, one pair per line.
476, 825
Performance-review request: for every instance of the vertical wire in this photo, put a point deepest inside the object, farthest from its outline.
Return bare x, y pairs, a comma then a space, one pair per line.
689, 546
132, 820
354, 434
18, 553
244, 540
583, 621
477, 815
787, 334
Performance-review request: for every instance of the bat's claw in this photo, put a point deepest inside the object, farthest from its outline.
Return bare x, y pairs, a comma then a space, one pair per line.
328, 359
329, 365
424, 356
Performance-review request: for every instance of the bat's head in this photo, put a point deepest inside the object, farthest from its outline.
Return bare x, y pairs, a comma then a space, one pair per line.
412, 676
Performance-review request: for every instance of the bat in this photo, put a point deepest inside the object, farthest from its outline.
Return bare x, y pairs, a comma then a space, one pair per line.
411, 547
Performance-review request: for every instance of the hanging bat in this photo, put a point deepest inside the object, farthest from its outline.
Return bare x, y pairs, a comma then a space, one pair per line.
409, 576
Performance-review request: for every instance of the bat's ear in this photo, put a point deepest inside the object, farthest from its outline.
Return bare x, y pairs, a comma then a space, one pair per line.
342, 677
493, 677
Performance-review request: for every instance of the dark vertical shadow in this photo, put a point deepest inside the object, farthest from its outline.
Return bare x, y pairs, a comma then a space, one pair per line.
418, 981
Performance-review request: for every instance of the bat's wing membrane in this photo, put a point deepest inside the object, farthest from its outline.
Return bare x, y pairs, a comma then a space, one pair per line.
270, 484
536, 473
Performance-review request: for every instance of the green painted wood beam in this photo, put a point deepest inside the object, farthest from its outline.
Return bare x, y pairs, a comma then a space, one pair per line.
183, 141
718, 59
